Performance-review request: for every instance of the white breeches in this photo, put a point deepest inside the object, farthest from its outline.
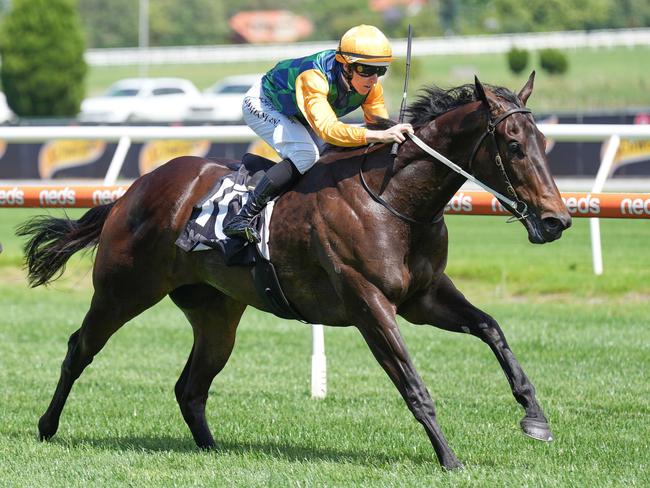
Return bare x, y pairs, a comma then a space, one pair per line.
287, 135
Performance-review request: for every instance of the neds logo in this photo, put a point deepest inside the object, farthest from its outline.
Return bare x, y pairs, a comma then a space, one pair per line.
460, 203
583, 205
67, 196
102, 197
12, 197
497, 206
635, 206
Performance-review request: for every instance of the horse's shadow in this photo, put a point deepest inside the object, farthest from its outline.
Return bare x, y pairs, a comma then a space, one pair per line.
281, 450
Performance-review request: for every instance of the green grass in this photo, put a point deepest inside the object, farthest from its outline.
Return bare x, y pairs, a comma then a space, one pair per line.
581, 339
597, 78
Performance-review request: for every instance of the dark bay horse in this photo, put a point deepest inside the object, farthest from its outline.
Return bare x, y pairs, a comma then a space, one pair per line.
342, 258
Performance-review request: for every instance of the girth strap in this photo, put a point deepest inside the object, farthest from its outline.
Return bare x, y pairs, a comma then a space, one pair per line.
268, 287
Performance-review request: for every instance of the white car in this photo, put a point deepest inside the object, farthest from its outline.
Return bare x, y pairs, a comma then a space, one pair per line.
222, 101
142, 100
6, 115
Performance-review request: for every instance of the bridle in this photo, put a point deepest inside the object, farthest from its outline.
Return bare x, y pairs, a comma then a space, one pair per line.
520, 207
516, 204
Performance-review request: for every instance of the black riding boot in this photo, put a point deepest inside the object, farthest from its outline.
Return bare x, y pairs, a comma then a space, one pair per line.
277, 180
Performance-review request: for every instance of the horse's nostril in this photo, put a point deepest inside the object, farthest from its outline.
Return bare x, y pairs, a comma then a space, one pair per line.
553, 225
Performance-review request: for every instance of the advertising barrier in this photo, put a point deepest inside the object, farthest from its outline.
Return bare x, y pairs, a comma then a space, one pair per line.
601, 205
58, 196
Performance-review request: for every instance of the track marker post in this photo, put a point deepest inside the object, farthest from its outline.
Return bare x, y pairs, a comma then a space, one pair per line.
604, 171
318, 362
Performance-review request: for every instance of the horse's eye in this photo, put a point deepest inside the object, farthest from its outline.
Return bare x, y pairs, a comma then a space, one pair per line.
514, 148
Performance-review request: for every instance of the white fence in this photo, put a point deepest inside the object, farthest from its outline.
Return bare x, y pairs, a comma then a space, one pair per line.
422, 46
124, 135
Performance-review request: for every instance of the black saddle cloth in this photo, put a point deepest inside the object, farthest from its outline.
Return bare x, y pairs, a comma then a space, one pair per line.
207, 215
201, 231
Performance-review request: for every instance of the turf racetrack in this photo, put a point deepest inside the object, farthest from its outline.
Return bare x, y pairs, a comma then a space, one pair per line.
583, 341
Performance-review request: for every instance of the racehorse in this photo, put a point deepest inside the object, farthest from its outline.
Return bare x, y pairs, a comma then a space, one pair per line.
343, 256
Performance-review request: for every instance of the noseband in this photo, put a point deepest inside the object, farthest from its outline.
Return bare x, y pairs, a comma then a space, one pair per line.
520, 207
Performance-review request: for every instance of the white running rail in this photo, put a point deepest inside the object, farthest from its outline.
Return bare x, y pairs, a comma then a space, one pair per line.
422, 46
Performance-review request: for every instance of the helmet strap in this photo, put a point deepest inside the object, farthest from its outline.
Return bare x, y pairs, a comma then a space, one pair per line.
347, 76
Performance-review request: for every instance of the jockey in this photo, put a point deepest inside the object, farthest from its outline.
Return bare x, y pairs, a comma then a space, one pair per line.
296, 105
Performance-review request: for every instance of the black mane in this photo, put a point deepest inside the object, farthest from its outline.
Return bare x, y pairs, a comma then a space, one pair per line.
434, 101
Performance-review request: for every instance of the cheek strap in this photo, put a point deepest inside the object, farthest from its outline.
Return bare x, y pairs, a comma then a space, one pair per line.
347, 76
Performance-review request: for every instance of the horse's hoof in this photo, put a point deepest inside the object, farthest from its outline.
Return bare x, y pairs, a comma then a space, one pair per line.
44, 435
537, 429
206, 444
453, 465
45, 431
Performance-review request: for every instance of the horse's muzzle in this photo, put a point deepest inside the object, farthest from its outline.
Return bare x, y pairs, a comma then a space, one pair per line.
547, 229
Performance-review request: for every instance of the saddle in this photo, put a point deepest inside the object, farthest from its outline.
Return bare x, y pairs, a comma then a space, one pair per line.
203, 231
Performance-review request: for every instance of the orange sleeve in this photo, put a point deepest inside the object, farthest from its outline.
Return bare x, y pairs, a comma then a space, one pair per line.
374, 105
311, 96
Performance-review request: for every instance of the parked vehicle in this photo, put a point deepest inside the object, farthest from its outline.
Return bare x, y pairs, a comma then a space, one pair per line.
142, 100
222, 101
6, 115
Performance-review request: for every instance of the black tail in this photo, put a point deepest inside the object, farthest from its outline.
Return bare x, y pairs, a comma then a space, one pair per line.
53, 240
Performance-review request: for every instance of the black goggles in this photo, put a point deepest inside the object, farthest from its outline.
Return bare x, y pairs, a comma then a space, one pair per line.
367, 70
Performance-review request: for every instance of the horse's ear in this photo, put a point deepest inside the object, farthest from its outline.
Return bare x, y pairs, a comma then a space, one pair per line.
480, 92
527, 89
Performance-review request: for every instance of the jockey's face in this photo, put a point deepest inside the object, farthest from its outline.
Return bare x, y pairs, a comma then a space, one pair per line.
363, 84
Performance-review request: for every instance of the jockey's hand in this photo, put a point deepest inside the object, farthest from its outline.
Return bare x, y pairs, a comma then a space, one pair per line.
392, 134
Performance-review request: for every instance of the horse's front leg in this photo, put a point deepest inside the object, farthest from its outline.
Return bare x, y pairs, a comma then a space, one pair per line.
374, 315
443, 306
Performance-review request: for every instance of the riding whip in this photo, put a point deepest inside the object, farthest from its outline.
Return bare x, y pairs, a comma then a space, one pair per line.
402, 108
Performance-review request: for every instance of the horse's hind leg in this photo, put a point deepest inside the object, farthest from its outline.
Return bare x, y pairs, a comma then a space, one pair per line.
214, 318
445, 307
105, 317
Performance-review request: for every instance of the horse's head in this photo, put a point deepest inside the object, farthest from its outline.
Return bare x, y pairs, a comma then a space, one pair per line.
510, 157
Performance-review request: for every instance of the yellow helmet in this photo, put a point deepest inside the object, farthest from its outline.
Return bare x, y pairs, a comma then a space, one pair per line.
364, 44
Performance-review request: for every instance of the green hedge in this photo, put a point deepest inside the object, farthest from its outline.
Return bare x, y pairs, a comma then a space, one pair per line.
553, 61
517, 60
43, 67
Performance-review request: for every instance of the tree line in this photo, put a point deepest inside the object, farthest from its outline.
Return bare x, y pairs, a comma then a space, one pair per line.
42, 42
201, 22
